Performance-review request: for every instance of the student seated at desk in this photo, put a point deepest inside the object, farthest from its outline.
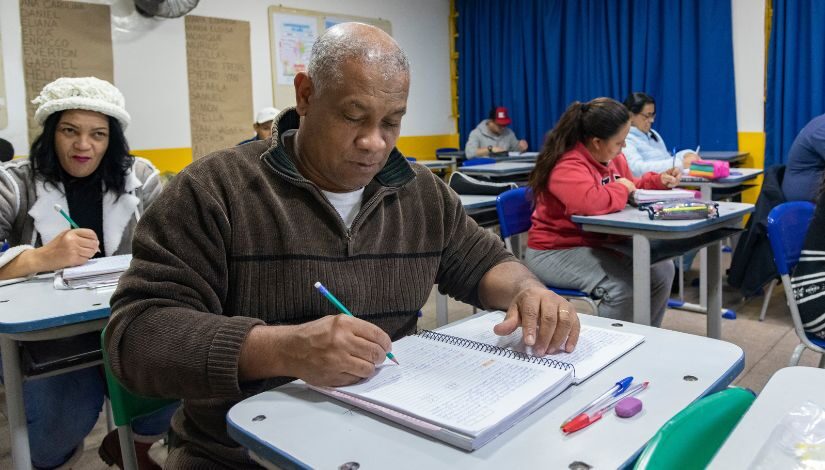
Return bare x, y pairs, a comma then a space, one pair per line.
645, 148
219, 304
581, 171
806, 162
492, 136
80, 161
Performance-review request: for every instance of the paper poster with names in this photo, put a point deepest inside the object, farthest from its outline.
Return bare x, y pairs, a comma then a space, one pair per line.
294, 36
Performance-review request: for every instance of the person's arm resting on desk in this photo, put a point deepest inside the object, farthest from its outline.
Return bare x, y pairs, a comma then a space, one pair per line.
476, 268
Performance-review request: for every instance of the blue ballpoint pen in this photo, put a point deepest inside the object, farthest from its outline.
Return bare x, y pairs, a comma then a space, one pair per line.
614, 391
345, 310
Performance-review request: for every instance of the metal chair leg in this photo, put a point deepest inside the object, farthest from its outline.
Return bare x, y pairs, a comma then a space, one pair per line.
797, 354
767, 299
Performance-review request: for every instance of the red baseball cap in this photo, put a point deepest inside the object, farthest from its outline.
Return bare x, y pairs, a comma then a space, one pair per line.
502, 117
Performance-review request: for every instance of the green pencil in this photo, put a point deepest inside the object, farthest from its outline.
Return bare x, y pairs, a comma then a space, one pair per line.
344, 310
66, 216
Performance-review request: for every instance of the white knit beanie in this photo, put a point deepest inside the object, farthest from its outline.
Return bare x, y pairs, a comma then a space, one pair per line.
88, 93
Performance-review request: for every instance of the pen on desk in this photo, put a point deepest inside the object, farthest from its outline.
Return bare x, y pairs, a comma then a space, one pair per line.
344, 310
614, 391
65, 216
584, 420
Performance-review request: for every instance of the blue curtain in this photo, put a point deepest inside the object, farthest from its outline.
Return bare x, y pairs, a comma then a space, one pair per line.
796, 73
538, 56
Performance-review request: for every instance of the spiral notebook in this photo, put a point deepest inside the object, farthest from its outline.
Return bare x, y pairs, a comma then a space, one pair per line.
461, 391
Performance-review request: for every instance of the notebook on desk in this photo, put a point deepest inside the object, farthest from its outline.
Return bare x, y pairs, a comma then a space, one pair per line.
646, 196
97, 272
465, 390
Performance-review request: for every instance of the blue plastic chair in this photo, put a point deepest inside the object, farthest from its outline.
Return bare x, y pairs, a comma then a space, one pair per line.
514, 210
412, 159
479, 161
787, 225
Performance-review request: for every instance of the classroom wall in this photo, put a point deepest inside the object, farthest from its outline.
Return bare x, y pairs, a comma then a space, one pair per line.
749, 55
150, 69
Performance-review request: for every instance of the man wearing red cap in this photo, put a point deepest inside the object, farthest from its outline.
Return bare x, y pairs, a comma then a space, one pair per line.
493, 136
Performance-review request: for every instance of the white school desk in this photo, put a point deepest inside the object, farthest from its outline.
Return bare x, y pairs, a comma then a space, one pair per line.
499, 169
636, 224
436, 164
473, 205
32, 311
294, 427
787, 389
732, 156
737, 178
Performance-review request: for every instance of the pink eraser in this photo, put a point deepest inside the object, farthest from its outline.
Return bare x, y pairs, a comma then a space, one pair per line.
628, 407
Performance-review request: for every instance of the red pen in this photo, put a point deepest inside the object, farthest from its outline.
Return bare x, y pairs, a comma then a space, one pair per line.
584, 420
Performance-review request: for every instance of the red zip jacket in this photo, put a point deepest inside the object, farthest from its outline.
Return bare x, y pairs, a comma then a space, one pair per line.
579, 185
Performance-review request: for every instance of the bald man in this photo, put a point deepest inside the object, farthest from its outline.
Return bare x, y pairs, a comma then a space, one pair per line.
219, 301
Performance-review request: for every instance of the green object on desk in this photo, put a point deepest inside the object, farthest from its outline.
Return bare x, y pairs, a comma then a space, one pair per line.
691, 438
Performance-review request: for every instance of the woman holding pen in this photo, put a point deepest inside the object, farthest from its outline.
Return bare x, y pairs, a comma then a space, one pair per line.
581, 171
646, 150
80, 162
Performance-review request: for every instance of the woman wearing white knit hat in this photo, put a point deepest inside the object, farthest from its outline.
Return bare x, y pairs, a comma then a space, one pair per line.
81, 162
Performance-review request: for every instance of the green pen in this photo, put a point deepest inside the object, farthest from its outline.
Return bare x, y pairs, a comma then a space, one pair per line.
66, 216
344, 310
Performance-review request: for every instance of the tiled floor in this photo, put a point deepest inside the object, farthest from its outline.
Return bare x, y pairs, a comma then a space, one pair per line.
767, 345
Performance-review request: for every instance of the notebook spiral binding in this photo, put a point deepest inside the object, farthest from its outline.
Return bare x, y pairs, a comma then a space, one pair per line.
498, 351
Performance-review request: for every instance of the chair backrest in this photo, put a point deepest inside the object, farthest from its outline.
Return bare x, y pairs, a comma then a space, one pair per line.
514, 209
787, 225
479, 161
691, 438
126, 405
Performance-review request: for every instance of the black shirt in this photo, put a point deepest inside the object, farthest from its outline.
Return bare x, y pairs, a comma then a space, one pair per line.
85, 199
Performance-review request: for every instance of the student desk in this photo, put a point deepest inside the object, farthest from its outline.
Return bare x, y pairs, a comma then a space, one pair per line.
673, 237
499, 170
437, 165
34, 310
293, 427
737, 178
732, 156
786, 390
479, 208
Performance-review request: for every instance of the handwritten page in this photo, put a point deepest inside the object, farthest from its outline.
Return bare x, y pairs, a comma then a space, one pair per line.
597, 347
462, 389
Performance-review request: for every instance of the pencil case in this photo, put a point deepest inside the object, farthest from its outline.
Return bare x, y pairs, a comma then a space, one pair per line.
682, 210
712, 169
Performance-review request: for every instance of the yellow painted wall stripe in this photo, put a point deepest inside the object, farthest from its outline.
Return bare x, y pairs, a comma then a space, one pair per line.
423, 146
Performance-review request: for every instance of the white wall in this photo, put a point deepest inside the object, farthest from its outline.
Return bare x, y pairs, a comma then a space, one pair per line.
150, 67
749, 63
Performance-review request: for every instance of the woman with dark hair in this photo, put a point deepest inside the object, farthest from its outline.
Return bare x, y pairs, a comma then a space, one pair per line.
581, 171
80, 161
646, 149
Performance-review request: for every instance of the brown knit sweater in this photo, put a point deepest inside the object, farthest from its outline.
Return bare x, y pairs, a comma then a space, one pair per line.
238, 239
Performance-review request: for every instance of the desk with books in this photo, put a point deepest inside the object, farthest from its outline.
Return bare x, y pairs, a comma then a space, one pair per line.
33, 311
295, 427
673, 238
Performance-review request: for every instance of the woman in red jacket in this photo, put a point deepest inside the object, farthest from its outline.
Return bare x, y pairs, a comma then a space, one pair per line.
581, 171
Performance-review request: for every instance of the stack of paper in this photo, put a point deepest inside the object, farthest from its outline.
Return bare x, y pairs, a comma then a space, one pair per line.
646, 196
97, 272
